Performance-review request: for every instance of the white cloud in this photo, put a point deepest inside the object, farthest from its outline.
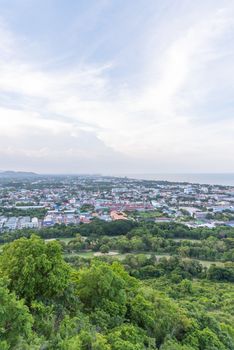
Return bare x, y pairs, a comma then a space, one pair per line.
49, 114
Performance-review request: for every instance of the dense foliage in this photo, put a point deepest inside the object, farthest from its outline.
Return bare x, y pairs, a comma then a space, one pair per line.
128, 236
32, 212
102, 304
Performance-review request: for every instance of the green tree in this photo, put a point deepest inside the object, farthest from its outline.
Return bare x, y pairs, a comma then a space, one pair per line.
104, 249
86, 340
103, 289
208, 340
15, 320
129, 337
34, 268
158, 315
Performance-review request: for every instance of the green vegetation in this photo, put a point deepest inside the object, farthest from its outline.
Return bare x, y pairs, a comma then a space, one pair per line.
160, 239
32, 212
87, 207
223, 216
102, 304
26, 261
57, 231
144, 215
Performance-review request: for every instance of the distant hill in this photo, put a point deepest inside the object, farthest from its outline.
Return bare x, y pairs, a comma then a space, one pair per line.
11, 173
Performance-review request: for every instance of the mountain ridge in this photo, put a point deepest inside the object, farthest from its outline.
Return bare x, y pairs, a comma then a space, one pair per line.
17, 173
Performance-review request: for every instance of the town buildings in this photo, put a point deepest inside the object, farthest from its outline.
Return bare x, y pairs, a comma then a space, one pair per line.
50, 200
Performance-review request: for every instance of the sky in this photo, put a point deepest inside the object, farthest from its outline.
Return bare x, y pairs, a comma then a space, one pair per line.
117, 86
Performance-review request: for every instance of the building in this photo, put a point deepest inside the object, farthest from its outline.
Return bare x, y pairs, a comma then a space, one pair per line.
118, 215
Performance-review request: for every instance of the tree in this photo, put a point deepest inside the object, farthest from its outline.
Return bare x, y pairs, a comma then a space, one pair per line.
220, 273
15, 320
130, 337
208, 340
174, 345
34, 268
103, 289
104, 249
86, 340
158, 315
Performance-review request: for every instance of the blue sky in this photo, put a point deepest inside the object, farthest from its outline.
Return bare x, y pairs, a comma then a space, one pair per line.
117, 86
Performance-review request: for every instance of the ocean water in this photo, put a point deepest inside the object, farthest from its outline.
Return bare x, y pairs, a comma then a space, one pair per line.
211, 179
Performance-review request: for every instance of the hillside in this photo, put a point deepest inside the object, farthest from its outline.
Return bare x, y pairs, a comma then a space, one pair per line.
58, 301
17, 174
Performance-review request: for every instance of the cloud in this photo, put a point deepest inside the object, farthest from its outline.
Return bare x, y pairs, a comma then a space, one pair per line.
162, 120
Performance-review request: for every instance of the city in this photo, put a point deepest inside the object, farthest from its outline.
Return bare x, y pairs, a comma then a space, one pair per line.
43, 201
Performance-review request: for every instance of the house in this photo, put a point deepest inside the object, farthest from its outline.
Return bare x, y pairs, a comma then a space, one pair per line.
118, 215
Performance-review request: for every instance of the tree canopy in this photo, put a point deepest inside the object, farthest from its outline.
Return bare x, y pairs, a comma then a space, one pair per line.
46, 303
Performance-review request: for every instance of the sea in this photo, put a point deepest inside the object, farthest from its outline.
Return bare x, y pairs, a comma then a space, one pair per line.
226, 179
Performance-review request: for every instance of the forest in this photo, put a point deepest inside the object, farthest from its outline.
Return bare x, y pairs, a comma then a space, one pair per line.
58, 301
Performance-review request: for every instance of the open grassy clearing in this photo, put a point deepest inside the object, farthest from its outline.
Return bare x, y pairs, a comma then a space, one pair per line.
186, 239
65, 240
90, 254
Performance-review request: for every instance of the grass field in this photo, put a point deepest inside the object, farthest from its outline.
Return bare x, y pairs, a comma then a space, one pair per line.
119, 256
66, 240
186, 239
90, 254
87, 255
